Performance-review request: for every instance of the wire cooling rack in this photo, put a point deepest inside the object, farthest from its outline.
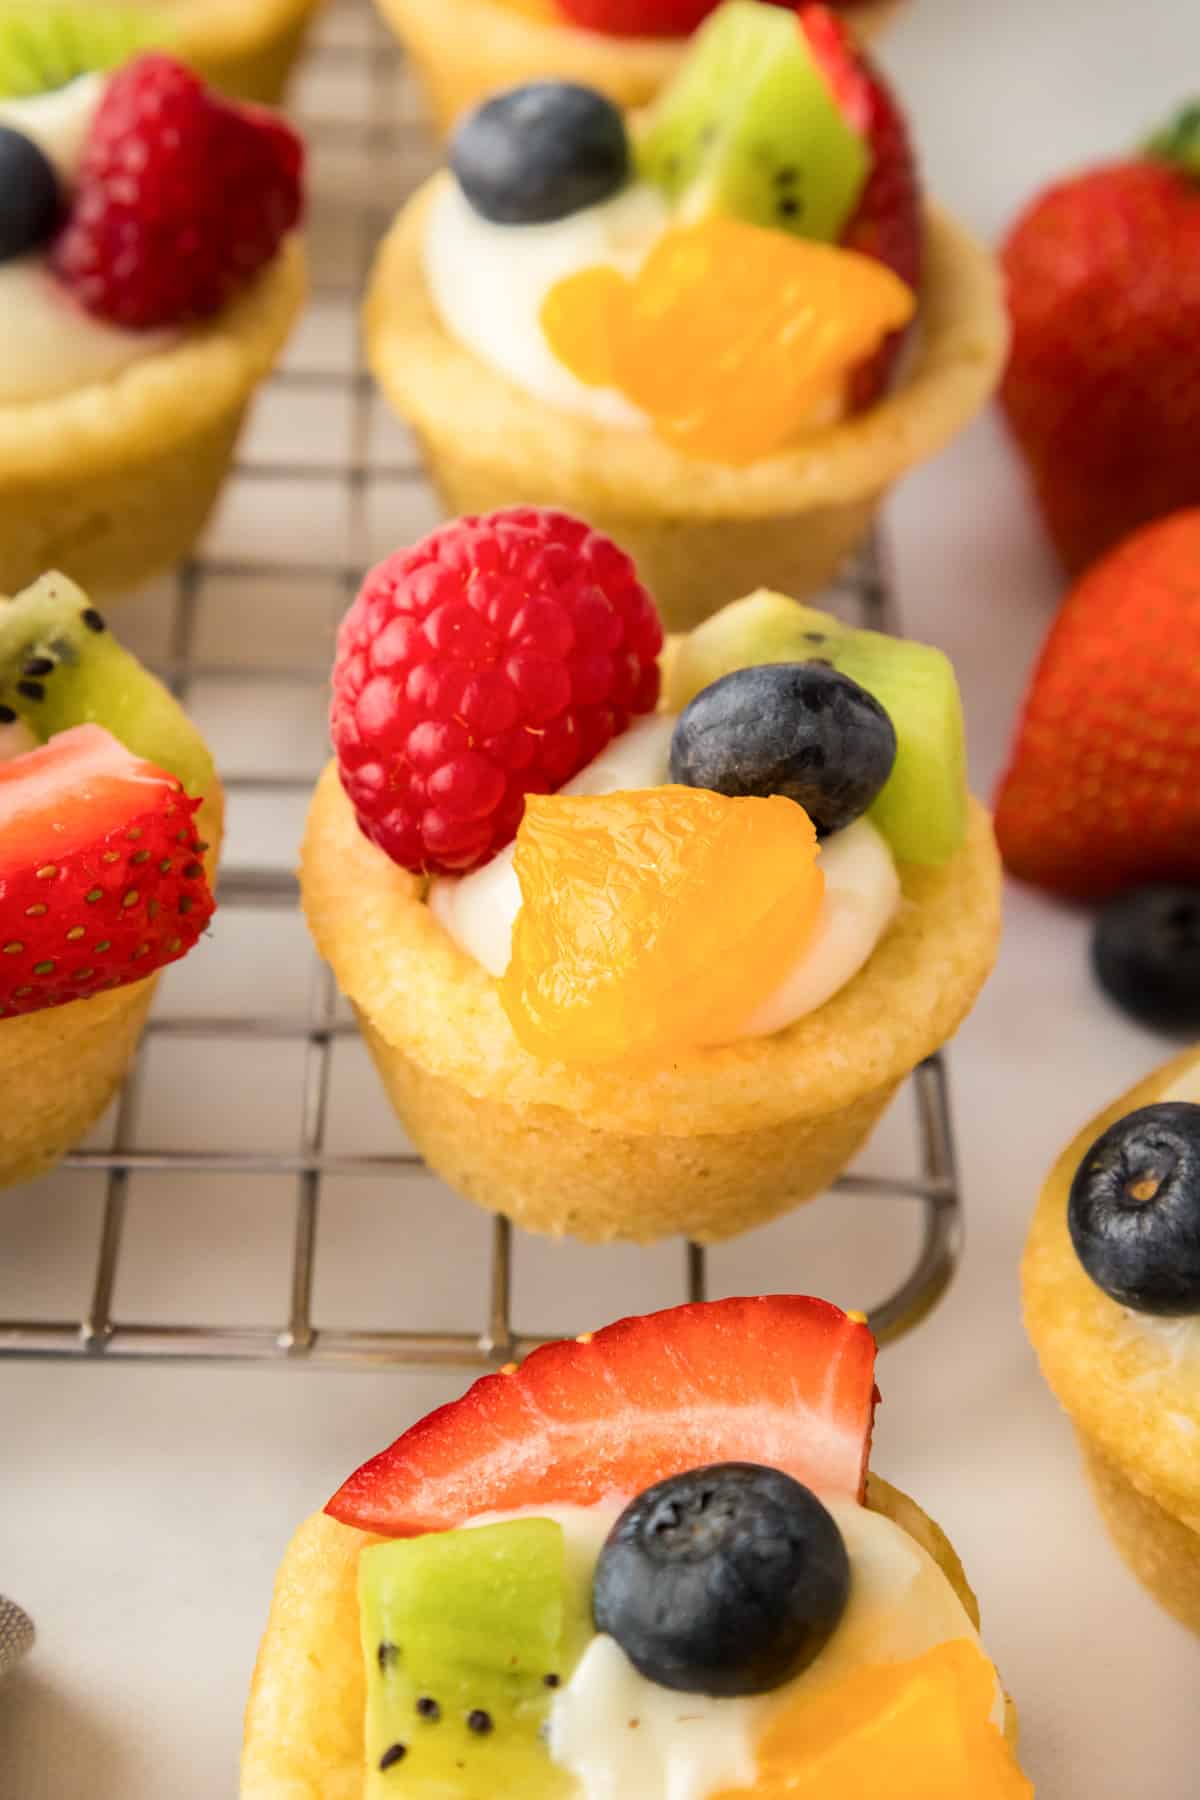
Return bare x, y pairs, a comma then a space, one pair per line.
326, 484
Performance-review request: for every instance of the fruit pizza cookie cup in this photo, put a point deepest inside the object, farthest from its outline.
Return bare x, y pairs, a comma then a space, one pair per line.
688, 327
110, 824
649, 1562
139, 311
627, 973
1112, 1304
464, 50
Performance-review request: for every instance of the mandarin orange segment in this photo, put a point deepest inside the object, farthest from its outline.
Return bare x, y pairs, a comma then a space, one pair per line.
581, 316
919, 1730
654, 921
730, 336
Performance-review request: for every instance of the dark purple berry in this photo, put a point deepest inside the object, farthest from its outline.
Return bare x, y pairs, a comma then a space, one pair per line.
798, 729
30, 197
727, 1580
540, 152
1134, 1210
1146, 954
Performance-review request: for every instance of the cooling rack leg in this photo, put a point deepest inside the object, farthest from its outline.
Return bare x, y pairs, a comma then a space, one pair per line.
941, 1242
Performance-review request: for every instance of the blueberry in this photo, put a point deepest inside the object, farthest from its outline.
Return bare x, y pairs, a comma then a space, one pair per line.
1146, 954
540, 152
30, 199
727, 1580
799, 729
1134, 1210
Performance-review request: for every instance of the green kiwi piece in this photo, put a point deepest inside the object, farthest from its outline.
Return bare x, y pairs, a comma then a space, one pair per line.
749, 127
43, 47
465, 1635
922, 809
60, 666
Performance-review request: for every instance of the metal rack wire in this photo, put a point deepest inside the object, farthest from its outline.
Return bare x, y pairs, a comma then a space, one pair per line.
379, 127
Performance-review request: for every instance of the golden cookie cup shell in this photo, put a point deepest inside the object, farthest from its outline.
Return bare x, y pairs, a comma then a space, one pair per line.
114, 481
304, 1721
247, 48
708, 1144
1134, 1403
1161, 1550
698, 531
463, 50
60, 1068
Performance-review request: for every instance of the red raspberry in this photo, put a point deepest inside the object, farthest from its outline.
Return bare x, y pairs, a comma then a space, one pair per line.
182, 198
492, 660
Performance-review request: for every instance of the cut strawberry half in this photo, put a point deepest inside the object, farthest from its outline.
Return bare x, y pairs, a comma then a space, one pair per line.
102, 879
888, 222
781, 1380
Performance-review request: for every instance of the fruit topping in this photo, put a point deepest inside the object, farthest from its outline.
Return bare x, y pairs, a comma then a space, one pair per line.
49, 45
30, 200
465, 1636
637, 18
1134, 1209
888, 221
730, 337
799, 729
61, 666
492, 660
922, 808
539, 152
1102, 389
1102, 791
787, 1379
101, 875
749, 127
1146, 954
182, 198
653, 922
917, 1730
725, 1580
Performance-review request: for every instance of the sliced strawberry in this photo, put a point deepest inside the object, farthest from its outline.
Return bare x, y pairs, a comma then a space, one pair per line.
887, 223
101, 872
780, 1380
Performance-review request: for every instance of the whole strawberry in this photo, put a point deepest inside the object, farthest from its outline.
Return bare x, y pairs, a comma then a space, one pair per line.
887, 223
1103, 388
1103, 789
182, 198
492, 660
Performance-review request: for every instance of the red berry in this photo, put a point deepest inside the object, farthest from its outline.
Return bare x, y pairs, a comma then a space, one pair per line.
490, 661
888, 222
1102, 389
182, 198
780, 1380
101, 875
643, 18
1103, 788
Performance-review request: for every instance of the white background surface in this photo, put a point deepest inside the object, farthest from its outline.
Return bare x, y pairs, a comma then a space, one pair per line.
143, 1510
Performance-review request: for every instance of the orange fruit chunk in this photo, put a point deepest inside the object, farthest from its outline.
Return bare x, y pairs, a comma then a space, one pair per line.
729, 336
547, 10
654, 921
919, 1730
